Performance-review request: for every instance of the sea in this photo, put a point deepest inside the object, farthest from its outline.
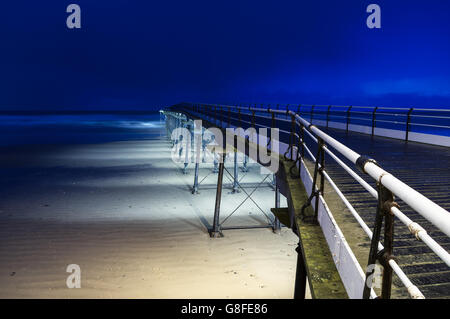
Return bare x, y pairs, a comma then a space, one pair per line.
42, 129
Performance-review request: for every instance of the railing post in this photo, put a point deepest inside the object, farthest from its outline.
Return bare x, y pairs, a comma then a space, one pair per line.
253, 119
385, 204
322, 177
316, 191
328, 114
408, 121
299, 147
272, 126
302, 128
374, 120
312, 113
348, 118
291, 138
240, 120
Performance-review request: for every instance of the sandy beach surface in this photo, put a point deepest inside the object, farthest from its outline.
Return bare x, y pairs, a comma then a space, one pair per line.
124, 213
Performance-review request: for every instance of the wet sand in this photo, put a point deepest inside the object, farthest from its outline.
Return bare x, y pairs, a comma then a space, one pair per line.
123, 212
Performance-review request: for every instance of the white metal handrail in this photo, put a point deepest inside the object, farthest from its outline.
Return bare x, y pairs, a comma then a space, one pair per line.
412, 289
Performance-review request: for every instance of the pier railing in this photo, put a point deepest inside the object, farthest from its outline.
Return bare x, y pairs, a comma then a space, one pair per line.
410, 124
294, 126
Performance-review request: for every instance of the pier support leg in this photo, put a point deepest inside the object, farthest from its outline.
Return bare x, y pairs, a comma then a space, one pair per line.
276, 222
203, 146
188, 149
195, 188
236, 174
215, 231
215, 169
300, 275
273, 183
244, 166
198, 144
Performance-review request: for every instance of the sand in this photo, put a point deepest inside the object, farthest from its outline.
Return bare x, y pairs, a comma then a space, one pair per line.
123, 212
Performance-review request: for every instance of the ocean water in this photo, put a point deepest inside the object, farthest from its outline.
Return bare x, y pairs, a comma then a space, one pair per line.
77, 129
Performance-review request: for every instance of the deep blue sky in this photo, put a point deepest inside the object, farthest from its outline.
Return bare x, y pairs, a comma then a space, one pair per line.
133, 54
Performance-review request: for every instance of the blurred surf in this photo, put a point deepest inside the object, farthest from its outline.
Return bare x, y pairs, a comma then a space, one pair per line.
91, 128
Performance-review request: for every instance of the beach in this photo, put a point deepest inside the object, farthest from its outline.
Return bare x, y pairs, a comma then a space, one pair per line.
124, 212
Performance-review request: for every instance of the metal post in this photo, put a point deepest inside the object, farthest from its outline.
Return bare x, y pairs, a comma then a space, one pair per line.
244, 166
328, 114
195, 188
236, 174
315, 193
374, 120
348, 118
320, 170
292, 136
187, 151
215, 231
312, 113
408, 121
276, 222
300, 275
302, 136
215, 168
300, 149
240, 120
389, 252
385, 204
203, 146
253, 119
272, 126
197, 152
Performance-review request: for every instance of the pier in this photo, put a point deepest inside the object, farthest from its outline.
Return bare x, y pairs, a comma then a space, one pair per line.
354, 196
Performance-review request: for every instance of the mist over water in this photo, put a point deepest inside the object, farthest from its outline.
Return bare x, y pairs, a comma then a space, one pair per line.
77, 129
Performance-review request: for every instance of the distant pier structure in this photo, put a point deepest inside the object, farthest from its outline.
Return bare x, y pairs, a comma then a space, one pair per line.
367, 188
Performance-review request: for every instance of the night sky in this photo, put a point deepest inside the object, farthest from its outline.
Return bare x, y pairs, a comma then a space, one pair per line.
133, 54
